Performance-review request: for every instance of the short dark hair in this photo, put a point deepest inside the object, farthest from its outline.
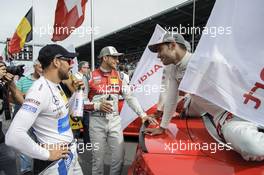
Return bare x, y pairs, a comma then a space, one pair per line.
46, 55
45, 62
50, 51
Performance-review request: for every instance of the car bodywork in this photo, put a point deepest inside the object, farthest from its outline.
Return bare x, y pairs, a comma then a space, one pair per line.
162, 154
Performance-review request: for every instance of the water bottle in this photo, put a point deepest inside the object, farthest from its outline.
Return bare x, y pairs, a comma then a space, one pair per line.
78, 104
110, 100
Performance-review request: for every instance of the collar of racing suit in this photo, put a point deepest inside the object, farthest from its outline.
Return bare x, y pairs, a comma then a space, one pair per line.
185, 59
104, 70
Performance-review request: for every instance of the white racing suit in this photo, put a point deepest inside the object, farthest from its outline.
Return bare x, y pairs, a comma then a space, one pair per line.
243, 136
46, 109
105, 129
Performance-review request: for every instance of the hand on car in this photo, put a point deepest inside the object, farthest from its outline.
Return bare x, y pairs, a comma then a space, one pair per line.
150, 119
154, 131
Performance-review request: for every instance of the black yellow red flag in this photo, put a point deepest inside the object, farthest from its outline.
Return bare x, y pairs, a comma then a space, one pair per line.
22, 35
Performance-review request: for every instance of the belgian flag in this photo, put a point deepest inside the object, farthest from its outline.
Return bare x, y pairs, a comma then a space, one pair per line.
23, 34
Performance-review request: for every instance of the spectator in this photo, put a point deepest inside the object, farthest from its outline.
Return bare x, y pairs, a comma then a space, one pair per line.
82, 74
7, 155
24, 83
123, 74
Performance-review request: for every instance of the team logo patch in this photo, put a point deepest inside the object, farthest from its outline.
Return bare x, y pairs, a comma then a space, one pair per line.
63, 124
55, 100
97, 79
29, 108
113, 80
57, 109
33, 101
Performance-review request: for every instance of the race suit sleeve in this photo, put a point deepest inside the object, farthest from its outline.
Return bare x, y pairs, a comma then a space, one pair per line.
91, 106
132, 100
17, 136
164, 88
171, 101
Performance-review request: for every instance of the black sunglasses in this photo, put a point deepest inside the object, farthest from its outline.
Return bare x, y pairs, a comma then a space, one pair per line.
69, 61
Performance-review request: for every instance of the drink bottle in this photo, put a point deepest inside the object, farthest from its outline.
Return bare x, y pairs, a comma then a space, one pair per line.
78, 103
110, 100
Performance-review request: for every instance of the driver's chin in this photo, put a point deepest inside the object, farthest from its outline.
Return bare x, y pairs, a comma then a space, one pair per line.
113, 66
165, 62
66, 77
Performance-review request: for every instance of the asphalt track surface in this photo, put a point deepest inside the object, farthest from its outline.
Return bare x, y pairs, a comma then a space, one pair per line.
130, 150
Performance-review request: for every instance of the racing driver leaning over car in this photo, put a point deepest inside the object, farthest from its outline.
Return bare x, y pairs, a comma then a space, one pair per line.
165, 83
105, 122
244, 136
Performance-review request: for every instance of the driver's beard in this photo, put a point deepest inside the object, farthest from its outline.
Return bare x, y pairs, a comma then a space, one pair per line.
111, 66
63, 75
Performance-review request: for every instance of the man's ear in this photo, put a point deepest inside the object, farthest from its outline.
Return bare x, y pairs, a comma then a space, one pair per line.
56, 62
104, 58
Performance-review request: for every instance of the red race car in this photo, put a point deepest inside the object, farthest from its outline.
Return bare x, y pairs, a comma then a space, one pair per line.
133, 128
189, 146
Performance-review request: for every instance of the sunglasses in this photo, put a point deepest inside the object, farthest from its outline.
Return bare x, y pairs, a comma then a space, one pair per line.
69, 61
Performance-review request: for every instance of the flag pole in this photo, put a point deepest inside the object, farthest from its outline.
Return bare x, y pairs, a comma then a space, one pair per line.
193, 25
32, 28
92, 34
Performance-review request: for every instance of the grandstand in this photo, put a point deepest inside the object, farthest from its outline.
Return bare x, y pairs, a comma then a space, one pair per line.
133, 38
